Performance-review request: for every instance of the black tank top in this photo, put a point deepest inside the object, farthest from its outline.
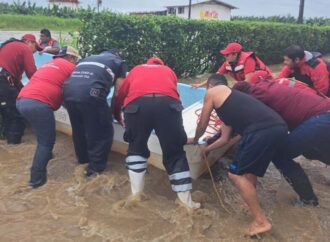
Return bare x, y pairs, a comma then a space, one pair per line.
246, 114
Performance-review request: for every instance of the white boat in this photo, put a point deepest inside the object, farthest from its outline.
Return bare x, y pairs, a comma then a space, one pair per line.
192, 102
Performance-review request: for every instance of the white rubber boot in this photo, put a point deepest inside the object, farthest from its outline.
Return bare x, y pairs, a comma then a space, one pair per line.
185, 198
137, 181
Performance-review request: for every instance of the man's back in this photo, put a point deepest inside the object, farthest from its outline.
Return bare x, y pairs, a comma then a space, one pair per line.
16, 57
294, 105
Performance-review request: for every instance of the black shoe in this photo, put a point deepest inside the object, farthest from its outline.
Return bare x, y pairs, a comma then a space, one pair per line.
312, 202
38, 182
91, 172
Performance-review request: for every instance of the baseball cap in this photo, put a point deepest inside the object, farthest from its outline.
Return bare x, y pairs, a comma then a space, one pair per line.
155, 61
232, 48
67, 50
32, 38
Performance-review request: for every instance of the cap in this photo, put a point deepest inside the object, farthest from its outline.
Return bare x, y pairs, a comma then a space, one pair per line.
258, 76
232, 48
32, 38
67, 50
155, 61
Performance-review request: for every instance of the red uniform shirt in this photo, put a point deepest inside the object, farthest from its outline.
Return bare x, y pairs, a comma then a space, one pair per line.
294, 105
17, 57
318, 75
294, 84
245, 65
146, 79
46, 84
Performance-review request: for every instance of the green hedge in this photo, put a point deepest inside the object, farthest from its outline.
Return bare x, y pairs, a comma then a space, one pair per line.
191, 47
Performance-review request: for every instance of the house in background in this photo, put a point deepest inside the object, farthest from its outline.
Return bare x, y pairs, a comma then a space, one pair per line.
207, 9
211, 9
73, 4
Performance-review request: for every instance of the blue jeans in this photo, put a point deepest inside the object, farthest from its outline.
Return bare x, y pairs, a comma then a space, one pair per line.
311, 139
41, 117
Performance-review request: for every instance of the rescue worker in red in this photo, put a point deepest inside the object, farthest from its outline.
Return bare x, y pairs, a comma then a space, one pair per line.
308, 119
38, 100
48, 44
306, 67
259, 76
239, 65
151, 101
16, 57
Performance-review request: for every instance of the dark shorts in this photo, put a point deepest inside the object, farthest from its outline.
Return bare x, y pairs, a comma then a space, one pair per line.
256, 150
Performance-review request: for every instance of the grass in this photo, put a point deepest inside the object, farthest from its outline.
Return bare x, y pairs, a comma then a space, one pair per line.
37, 22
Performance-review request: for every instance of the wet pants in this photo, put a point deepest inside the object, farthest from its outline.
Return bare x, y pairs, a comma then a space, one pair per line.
92, 132
12, 121
163, 115
311, 139
41, 117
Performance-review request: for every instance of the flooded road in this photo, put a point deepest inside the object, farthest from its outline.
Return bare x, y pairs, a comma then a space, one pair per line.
71, 207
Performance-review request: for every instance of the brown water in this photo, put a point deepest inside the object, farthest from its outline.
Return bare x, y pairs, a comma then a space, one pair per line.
71, 207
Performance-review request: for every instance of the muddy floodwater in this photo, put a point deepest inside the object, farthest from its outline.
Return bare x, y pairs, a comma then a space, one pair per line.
71, 207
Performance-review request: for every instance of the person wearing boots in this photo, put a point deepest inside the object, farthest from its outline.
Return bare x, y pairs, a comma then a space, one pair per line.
151, 101
85, 96
16, 57
37, 102
262, 131
308, 119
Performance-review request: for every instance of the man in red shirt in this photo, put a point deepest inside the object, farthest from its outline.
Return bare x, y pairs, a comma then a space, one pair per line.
37, 101
288, 82
151, 102
307, 67
239, 65
16, 57
308, 119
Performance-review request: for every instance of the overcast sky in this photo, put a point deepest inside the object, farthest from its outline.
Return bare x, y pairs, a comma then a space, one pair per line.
313, 8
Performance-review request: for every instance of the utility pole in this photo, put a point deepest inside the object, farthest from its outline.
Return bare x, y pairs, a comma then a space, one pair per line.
99, 2
189, 10
301, 12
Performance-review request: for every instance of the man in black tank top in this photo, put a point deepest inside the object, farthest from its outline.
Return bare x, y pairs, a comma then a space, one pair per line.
261, 129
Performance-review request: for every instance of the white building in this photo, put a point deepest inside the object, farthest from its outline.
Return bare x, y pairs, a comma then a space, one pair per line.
73, 4
211, 9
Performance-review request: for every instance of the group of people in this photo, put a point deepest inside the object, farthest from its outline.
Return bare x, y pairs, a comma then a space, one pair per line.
260, 108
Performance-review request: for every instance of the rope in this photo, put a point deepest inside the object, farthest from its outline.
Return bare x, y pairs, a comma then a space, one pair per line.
214, 123
222, 204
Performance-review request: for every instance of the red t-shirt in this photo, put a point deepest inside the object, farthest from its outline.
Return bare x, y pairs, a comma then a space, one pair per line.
146, 79
17, 57
319, 75
294, 105
46, 84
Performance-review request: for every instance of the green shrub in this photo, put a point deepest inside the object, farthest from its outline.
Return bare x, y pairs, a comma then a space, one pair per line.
27, 8
191, 47
37, 22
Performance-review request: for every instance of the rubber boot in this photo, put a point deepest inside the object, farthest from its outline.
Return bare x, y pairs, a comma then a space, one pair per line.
302, 186
137, 181
185, 198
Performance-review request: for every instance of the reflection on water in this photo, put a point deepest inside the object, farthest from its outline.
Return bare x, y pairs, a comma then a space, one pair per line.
71, 207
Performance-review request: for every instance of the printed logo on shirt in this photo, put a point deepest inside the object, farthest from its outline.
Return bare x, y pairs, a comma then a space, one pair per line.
94, 92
